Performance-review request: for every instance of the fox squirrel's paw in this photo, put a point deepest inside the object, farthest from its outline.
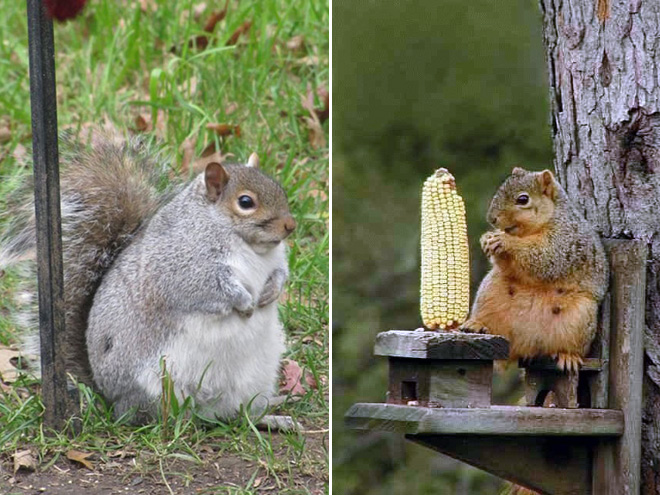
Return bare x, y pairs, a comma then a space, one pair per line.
492, 242
569, 362
473, 326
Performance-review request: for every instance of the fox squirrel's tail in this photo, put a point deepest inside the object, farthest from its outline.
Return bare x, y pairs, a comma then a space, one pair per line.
107, 193
511, 489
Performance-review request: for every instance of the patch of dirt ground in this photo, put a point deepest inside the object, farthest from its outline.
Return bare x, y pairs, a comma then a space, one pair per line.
137, 473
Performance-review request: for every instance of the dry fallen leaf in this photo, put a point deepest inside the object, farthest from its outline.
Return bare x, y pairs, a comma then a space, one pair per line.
296, 43
198, 10
309, 340
224, 129
310, 380
8, 372
324, 97
309, 60
20, 154
81, 458
189, 86
317, 190
202, 41
215, 18
148, 5
209, 150
231, 108
317, 116
5, 132
187, 152
240, 30
26, 460
208, 155
315, 132
122, 454
144, 124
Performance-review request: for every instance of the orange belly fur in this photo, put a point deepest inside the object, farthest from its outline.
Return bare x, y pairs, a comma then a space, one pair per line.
537, 319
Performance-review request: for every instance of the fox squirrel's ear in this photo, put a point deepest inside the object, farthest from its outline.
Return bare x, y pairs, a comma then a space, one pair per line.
548, 185
253, 161
215, 178
518, 171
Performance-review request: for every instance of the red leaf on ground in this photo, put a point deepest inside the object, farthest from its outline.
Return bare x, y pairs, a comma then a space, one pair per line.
292, 375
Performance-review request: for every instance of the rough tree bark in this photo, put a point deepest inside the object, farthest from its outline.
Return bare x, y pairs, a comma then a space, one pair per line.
604, 67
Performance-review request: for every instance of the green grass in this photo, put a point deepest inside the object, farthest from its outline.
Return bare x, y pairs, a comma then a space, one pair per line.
116, 62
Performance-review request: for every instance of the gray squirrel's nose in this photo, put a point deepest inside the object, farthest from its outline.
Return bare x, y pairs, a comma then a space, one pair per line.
289, 225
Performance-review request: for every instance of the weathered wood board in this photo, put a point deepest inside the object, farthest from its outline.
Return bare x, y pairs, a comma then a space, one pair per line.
617, 465
496, 420
441, 345
440, 383
549, 465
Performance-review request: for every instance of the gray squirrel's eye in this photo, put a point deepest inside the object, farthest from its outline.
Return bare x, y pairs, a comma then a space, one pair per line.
245, 202
522, 199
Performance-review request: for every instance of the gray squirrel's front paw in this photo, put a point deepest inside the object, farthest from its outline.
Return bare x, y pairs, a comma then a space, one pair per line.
269, 294
272, 288
245, 304
246, 313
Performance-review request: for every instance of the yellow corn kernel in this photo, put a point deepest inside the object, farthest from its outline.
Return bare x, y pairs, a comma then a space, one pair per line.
445, 285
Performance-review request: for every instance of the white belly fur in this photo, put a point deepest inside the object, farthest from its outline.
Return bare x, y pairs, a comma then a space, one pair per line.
226, 361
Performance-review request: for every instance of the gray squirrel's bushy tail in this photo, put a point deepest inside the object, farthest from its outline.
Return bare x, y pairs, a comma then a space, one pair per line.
107, 192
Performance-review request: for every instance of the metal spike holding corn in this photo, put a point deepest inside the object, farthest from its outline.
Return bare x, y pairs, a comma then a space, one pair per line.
445, 287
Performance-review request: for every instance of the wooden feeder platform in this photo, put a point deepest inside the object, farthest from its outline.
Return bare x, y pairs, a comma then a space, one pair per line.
440, 386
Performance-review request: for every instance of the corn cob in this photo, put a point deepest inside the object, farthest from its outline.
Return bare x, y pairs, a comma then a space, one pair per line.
445, 285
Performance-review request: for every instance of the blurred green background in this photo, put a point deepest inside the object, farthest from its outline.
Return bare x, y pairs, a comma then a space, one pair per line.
417, 85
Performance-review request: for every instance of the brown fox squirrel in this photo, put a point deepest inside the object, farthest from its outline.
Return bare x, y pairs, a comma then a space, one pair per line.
549, 272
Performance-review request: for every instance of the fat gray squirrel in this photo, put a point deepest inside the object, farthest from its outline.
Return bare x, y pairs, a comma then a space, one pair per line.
181, 280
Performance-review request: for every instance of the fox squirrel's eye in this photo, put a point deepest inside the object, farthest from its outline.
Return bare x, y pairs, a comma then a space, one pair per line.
522, 199
245, 202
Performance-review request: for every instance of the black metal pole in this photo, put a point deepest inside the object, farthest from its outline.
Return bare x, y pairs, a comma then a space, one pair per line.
47, 209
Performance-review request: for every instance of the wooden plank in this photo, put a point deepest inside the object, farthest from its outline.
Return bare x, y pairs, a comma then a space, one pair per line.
440, 383
599, 382
564, 386
617, 465
441, 345
47, 210
549, 465
496, 420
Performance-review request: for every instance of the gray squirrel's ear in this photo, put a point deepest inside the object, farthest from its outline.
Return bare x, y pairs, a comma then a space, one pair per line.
547, 182
253, 161
518, 171
215, 178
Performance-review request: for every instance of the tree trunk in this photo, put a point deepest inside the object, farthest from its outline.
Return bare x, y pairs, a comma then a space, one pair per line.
604, 67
